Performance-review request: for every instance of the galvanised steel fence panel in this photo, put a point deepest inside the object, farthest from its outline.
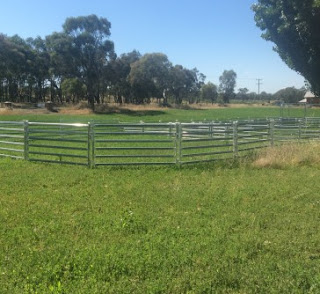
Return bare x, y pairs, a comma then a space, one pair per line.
252, 135
288, 129
97, 144
133, 144
206, 142
310, 128
58, 143
12, 139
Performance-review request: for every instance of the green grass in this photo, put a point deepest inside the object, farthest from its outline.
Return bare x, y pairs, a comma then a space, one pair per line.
166, 115
207, 228
200, 229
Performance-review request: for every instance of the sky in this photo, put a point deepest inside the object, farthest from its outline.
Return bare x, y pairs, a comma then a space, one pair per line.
211, 35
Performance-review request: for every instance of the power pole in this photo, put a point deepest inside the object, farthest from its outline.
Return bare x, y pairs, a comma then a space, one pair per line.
259, 84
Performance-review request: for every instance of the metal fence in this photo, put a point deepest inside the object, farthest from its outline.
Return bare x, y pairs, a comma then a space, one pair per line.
100, 144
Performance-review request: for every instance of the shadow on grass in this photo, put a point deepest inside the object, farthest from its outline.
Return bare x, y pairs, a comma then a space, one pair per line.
105, 109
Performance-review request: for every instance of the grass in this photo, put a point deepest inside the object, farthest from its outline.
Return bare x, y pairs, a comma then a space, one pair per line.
161, 114
233, 228
290, 154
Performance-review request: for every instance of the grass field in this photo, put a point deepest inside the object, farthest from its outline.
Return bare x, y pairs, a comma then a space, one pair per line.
149, 114
236, 227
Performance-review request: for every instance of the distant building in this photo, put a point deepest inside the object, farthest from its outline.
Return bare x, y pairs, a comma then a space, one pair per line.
310, 98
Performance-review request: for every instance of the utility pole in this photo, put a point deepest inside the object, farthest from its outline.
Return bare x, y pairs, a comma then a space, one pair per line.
259, 84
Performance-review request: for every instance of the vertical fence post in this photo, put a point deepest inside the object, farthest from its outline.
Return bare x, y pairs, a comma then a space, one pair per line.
235, 139
271, 132
91, 147
178, 143
300, 129
211, 130
26, 139
170, 130
226, 132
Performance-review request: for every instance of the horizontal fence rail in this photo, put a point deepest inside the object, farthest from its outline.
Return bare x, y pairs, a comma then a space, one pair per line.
107, 144
12, 139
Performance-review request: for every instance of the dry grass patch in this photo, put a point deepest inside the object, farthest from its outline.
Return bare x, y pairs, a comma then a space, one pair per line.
289, 154
8, 112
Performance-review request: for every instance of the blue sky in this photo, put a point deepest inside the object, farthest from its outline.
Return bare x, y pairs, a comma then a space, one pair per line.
212, 35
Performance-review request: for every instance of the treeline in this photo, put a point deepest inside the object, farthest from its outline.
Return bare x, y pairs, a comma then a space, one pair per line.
286, 95
80, 63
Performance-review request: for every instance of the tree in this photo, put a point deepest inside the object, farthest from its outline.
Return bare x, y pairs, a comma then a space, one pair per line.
264, 96
227, 85
293, 25
39, 66
62, 62
117, 72
184, 84
242, 94
149, 76
290, 95
89, 37
15, 60
209, 92
73, 89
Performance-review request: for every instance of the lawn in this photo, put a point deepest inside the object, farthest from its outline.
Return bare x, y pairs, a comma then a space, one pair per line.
201, 229
232, 227
165, 114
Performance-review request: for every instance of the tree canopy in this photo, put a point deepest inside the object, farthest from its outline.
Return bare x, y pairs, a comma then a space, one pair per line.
79, 62
293, 26
227, 85
290, 95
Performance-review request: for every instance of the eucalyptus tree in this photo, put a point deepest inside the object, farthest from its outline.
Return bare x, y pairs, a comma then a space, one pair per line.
39, 68
293, 26
290, 95
82, 51
4, 44
209, 92
198, 80
63, 61
149, 77
117, 73
183, 84
73, 89
242, 94
227, 85
15, 60
90, 38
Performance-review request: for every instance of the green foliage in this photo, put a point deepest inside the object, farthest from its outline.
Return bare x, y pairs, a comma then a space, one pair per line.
293, 26
117, 72
184, 84
89, 37
73, 89
290, 95
209, 92
149, 76
82, 55
227, 85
